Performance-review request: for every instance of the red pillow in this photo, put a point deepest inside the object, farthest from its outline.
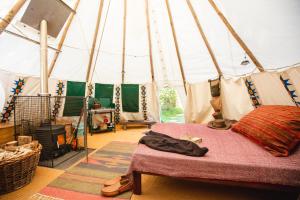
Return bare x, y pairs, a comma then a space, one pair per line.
275, 128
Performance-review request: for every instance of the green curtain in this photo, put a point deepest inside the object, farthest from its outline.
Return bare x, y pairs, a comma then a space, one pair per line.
130, 97
104, 94
73, 103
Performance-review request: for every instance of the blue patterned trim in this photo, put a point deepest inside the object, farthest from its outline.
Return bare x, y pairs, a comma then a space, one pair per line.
252, 92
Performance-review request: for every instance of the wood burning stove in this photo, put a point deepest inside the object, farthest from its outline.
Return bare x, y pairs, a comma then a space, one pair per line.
32, 117
53, 140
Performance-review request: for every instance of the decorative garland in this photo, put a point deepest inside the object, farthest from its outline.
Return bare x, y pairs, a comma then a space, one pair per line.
284, 77
144, 101
118, 106
90, 89
252, 92
59, 92
7, 111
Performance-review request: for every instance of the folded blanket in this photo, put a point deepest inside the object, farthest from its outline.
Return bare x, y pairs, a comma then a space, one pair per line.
161, 142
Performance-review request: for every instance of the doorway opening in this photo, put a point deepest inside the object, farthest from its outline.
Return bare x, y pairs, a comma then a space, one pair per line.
171, 107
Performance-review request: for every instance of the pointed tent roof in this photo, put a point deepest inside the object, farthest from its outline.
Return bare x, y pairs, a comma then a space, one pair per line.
269, 28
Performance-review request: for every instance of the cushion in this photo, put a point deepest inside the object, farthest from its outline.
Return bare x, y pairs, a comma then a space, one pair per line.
275, 128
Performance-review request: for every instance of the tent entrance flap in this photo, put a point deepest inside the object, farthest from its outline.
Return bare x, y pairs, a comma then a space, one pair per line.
130, 97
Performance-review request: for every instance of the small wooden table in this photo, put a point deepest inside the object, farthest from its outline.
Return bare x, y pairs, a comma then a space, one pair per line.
110, 111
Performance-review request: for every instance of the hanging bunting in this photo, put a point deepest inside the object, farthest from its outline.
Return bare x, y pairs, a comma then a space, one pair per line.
284, 77
144, 101
252, 92
7, 111
59, 92
118, 106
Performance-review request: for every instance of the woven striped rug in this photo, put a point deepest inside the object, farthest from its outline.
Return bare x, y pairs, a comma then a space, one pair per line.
85, 180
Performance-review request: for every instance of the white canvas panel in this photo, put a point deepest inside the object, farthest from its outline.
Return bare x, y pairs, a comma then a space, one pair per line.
6, 84
271, 90
294, 74
235, 98
198, 108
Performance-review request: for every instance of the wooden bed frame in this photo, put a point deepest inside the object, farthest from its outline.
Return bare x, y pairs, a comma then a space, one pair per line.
137, 183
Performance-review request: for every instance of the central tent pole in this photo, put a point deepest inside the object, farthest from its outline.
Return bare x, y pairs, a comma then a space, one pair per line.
176, 45
10, 15
124, 40
211, 53
149, 40
62, 40
94, 40
237, 37
44, 58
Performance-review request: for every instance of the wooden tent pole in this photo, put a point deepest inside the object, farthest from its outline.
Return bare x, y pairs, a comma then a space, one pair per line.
237, 37
94, 40
124, 41
211, 53
4, 22
176, 45
149, 40
63, 37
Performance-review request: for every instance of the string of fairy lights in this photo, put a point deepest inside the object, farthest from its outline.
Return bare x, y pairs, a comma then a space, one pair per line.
160, 50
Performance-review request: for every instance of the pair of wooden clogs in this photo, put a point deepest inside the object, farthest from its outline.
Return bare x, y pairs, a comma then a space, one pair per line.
117, 186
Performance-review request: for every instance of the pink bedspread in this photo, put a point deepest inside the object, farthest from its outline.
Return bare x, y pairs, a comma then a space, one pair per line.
230, 157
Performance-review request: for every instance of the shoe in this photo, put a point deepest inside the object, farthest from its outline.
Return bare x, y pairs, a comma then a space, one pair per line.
117, 188
121, 179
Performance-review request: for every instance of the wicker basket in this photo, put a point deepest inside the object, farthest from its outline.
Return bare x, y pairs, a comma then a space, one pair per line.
16, 173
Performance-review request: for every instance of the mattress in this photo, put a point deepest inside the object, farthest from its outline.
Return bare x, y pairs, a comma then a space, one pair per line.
230, 157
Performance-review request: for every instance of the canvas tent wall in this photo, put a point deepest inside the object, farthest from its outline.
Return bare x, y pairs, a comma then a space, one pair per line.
269, 28
236, 100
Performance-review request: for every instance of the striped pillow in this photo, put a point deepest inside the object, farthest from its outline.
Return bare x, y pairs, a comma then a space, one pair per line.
275, 128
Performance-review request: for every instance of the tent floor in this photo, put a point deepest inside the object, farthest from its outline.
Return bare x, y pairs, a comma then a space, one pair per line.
153, 187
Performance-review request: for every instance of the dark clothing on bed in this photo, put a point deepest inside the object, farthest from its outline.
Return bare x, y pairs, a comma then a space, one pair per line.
166, 143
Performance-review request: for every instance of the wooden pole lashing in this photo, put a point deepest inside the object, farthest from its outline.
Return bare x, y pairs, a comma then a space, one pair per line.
200, 29
63, 37
176, 45
236, 36
94, 40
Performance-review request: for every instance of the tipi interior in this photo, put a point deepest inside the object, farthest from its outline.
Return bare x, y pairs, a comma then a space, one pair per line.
149, 99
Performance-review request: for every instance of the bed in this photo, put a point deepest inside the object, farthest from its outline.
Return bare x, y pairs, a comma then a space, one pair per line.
232, 159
